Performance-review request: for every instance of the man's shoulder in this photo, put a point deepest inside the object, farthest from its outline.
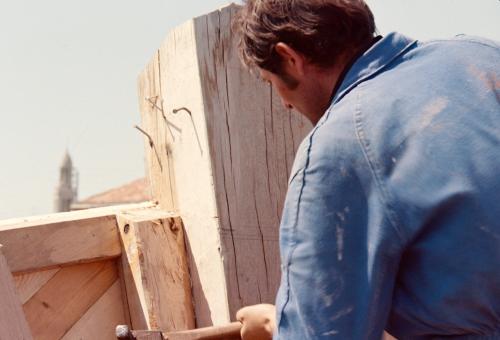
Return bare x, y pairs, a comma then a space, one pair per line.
463, 41
449, 59
435, 88
426, 97
433, 71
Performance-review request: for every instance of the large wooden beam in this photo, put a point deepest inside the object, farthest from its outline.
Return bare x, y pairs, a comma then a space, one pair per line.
156, 271
226, 146
61, 239
184, 182
13, 324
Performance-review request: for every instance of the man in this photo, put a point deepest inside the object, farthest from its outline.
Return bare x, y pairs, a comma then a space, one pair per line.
392, 216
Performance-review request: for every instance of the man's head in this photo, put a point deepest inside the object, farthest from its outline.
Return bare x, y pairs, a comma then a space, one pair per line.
292, 41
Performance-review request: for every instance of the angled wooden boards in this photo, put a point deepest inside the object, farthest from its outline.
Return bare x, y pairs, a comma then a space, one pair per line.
67, 296
99, 321
52, 240
137, 275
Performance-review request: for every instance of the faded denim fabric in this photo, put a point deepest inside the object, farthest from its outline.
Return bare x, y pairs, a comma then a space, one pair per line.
392, 216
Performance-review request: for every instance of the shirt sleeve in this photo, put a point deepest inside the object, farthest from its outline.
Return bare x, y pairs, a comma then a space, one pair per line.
339, 247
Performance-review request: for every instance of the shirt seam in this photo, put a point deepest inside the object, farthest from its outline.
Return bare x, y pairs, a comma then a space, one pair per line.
465, 40
374, 167
293, 243
295, 174
372, 73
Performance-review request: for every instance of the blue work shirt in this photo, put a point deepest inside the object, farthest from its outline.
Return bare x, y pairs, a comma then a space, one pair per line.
392, 216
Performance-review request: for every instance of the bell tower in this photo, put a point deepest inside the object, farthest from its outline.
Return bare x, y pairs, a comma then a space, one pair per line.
66, 191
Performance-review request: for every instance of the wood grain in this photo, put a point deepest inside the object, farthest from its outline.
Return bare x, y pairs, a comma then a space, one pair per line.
155, 124
100, 321
46, 245
133, 292
13, 324
123, 289
183, 140
253, 141
23, 222
229, 164
29, 283
65, 298
156, 258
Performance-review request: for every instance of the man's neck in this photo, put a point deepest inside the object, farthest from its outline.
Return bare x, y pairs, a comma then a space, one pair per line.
348, 63
324, 82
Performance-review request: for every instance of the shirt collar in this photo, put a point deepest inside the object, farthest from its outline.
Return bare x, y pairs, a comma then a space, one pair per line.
373, 61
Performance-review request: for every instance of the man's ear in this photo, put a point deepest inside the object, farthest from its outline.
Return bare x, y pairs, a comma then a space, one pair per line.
293, 61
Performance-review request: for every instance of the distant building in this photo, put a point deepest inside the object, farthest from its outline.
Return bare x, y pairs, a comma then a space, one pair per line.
67, 189
134, 192
66, 197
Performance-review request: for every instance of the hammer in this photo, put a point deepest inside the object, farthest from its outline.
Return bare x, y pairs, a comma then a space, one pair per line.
227, 332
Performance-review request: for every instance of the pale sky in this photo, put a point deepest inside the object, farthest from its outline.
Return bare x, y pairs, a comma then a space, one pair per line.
68, 72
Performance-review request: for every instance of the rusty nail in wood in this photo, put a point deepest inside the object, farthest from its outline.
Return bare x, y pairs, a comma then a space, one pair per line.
174, 227
192, 121
182, 109
151, 143
153, 101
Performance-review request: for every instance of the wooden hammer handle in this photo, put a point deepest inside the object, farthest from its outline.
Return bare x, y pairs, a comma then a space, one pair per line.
226, 332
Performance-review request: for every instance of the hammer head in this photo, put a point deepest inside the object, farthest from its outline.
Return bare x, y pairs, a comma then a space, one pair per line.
123, 333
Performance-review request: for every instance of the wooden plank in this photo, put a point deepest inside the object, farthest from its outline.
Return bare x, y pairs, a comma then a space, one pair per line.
155, 124
123, 289
49, 240
159, 281
64, 299
13, 324
16, 223
137, 309
29, 283
230, 165
54, 244
100, 320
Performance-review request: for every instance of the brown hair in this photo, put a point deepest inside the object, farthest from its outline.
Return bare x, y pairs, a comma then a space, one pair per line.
321, 30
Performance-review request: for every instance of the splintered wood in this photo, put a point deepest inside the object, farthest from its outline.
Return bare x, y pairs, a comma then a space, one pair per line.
155, 271
225, 162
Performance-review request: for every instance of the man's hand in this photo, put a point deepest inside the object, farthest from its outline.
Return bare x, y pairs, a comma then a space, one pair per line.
259, 322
